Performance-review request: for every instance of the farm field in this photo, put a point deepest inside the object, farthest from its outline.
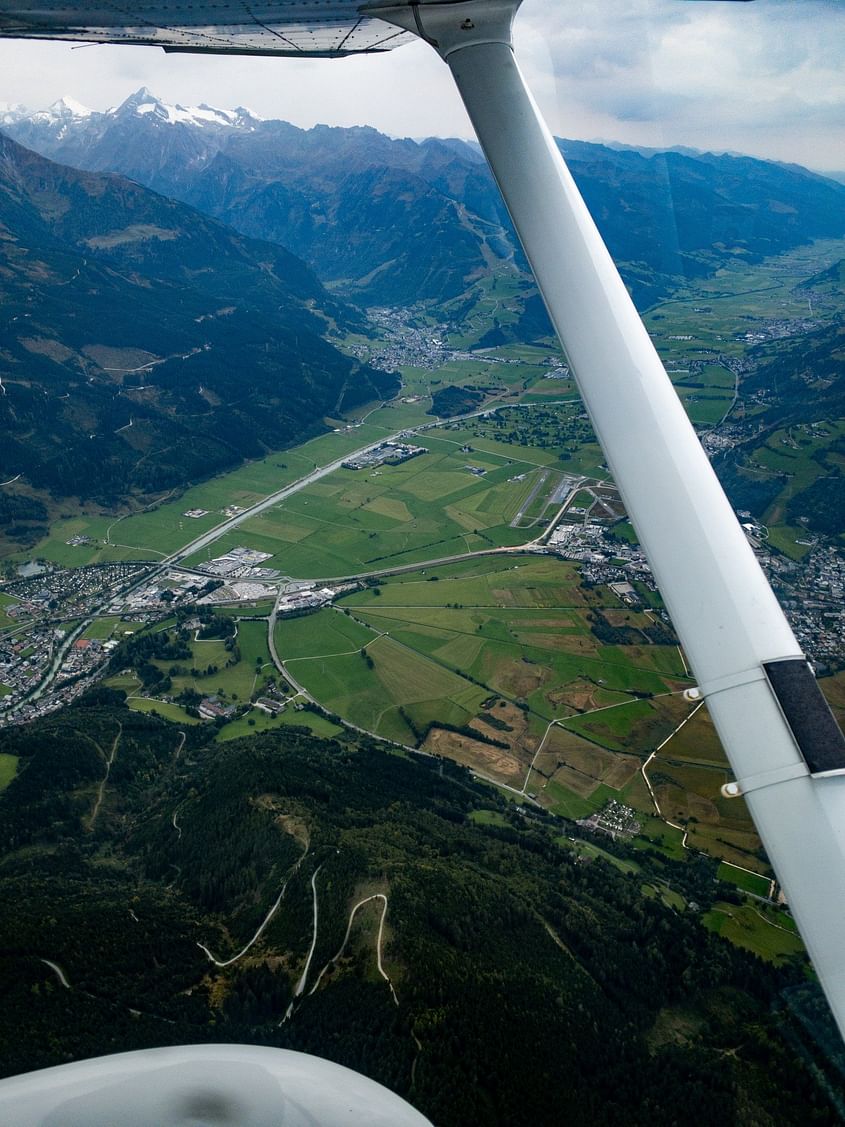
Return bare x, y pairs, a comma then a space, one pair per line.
500, 648
442, 503
765, 931
498, 654
464, 501
160, 530
692, 331
687, 776
325, 633
386, 689
747, 882
705, 319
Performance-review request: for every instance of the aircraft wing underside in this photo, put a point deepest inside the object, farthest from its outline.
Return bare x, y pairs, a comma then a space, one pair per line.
318, 28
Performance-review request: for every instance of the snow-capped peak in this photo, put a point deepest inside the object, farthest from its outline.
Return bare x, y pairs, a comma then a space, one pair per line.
69, 107
61, 112
10, 113
144, 103
58, 117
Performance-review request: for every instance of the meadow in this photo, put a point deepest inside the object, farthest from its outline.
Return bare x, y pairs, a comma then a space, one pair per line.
714, 314
162, 528
767, 932
446, 502
514, 630
371, 688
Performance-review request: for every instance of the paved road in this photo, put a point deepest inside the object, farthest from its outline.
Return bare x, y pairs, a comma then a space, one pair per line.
209, 537
319, 472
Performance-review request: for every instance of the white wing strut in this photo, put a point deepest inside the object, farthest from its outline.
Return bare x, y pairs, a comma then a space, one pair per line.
759, 689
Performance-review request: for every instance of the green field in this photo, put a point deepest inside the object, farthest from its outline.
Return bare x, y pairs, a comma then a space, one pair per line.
668, 896
8, 769
7, 601
356, 521
471, 503
716, 311
594, 852
656, 836
488, 818
765, 931
556, 425
318, 635
164, 708
256, 720
162, 529
793, 457
748, 882
103, 628
315, 722
371, 696
237, 681
441, 642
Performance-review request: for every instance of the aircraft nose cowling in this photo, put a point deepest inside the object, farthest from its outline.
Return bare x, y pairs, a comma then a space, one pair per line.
202, 1086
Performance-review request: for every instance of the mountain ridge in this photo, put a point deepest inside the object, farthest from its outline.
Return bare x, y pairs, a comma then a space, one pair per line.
144, 345
393, 221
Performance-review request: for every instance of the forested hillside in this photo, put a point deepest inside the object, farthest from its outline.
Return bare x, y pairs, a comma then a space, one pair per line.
531, 985
143, 345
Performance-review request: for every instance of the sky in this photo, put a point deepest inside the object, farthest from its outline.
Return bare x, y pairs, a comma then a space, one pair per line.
766, 79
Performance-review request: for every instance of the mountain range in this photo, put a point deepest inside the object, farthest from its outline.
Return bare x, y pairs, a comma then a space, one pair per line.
143, 345
393, 221
200, 339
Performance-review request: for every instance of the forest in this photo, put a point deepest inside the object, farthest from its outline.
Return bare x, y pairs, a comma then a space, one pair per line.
532, 985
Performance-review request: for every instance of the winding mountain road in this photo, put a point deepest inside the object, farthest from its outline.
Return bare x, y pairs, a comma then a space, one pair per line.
332, 962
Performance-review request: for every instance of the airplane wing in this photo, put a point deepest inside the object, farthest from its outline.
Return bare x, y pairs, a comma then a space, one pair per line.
314, 28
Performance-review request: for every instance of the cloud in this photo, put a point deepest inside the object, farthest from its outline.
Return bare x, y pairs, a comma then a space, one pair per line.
766, 78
